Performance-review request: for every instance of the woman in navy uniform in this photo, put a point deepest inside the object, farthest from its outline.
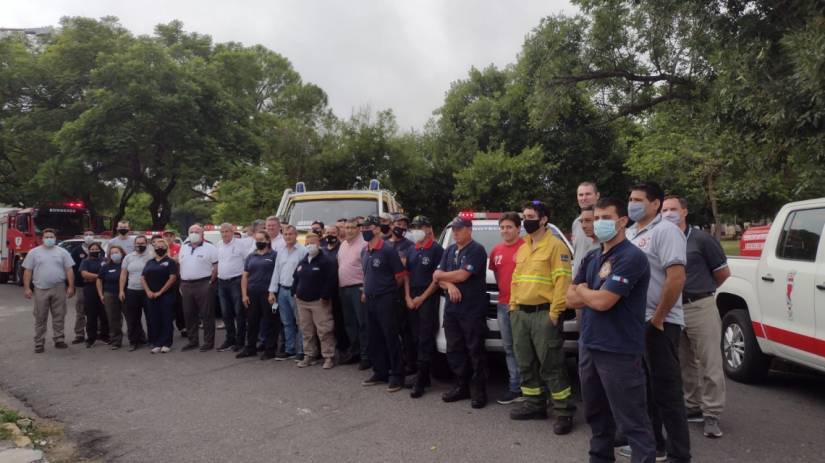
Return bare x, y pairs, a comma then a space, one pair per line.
257, 272
158, 280
421, 295
108, 290
88, 271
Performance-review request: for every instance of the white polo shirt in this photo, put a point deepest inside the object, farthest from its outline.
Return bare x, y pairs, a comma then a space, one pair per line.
196, 262
231, 257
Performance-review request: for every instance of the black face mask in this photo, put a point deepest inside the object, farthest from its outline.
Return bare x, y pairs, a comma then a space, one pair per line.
94, 254
122, 231
261, 245
160, 251
399, 232
385, 228
140, 248
332, 240
531, 225
368, 235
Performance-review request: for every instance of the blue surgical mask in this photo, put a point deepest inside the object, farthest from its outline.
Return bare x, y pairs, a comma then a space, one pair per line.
116, 257
605, 229
636, 211
49, 242
673, 217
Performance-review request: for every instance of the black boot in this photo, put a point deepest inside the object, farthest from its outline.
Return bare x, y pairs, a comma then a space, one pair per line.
422, 381
460, 392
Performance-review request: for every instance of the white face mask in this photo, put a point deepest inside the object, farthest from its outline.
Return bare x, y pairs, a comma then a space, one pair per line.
312, 249
673, 217
88, 239
417, 235
194, 238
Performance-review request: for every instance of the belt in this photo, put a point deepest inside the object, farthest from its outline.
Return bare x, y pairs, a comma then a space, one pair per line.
353, 286
198, 280
285, 287
689, 298
230, 280
533, 308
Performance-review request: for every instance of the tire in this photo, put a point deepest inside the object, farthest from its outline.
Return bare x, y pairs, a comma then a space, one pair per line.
742, 358
4, 278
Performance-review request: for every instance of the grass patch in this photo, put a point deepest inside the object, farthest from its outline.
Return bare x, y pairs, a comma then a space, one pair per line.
5, 434
8, 416
731, 247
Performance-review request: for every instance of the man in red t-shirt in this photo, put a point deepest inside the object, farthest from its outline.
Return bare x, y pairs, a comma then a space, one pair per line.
502, 263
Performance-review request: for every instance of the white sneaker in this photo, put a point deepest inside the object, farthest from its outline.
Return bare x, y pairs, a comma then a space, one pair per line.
164, 350
155, 350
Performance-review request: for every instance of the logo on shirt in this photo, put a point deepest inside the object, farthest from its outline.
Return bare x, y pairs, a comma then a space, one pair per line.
498, 260
620, 279
376, 263
565, 258
164, 264
643, 242
605, 270
470, 268
425, 261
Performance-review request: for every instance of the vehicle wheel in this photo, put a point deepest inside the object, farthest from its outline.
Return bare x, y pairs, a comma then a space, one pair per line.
743, 360
4, 278
18, 272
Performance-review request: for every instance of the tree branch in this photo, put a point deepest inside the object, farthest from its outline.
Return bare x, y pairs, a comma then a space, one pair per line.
205, 195
620, 74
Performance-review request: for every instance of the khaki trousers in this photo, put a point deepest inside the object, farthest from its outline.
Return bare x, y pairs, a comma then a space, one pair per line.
49, 300
700, 356
315, 319
80, 314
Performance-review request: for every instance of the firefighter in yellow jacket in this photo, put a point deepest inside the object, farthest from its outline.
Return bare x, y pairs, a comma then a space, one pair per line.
537, 301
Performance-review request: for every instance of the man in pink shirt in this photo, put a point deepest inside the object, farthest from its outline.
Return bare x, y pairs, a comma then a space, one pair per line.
351, 282
502, 263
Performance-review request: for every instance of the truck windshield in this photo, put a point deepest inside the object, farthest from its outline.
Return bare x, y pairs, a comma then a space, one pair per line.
67, 222
302, 213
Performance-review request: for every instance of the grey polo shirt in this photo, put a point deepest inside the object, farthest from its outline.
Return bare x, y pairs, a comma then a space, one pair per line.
48, 266
665, 245
704, 256
582, 244
133, 263
128, 243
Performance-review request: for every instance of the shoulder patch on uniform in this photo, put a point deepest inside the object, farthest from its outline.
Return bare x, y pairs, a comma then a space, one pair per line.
565, 258
620, 279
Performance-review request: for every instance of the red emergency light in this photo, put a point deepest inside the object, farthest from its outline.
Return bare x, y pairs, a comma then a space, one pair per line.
472, 215
75, 204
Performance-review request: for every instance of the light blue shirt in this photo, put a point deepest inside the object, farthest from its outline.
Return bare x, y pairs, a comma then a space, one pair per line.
285, 265
665, 245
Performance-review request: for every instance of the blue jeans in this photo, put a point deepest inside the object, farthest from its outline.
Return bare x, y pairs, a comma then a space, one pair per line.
288, 310
229, 293
507, 342
355, 318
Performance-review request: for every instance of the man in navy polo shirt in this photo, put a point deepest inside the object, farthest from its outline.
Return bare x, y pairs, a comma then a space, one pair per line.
398, 241
383, 274
421, 297
611, 289
461, 274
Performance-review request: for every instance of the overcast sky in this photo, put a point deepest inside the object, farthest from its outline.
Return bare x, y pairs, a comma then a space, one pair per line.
397, 54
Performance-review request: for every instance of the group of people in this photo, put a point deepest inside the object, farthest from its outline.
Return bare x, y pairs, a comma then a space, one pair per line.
366, 290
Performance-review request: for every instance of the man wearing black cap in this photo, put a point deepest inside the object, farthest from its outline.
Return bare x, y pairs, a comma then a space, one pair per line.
383, 273
398, 241
421, 297
461, 274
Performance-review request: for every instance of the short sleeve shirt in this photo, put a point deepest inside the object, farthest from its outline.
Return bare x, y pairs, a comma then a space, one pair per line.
422, 262
109, 275
157, 272
92, 266
134, 263
231, 258
79, 254
196, 262
502, 263
403, 246
704, 256
582, 244
665, 246
381, 264
623, 270
48, 266
474, 299
127, 243
259, 268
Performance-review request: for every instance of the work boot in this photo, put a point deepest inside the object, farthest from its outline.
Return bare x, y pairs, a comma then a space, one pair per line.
529, 411
245, 353
422, 381
458, 393
563, 425
79, 340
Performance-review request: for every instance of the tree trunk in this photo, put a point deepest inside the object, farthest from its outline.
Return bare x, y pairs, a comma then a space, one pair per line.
161, 211
714, 207
121, 206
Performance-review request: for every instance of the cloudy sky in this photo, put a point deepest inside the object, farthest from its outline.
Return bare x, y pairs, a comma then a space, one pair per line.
397, 54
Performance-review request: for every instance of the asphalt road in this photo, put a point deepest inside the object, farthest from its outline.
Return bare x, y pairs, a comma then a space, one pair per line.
202, 407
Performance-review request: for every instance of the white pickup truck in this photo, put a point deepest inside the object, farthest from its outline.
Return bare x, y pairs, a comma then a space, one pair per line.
773, 306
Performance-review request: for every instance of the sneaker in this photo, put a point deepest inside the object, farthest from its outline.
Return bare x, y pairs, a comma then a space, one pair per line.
528, 411
281, 356
478, 402
226, 346
510, 397
563, 425
61, 345
165, 350
695, 416
373, 380
712, 429
78, 340
237, 348
206, 348
267, 355
245, 353
39, 349
155, 350
306, 362
395, 385
328, 364
133, 347
299, 357
625, 451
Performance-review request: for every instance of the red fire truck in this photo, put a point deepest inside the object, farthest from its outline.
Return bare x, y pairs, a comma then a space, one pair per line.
20, 230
